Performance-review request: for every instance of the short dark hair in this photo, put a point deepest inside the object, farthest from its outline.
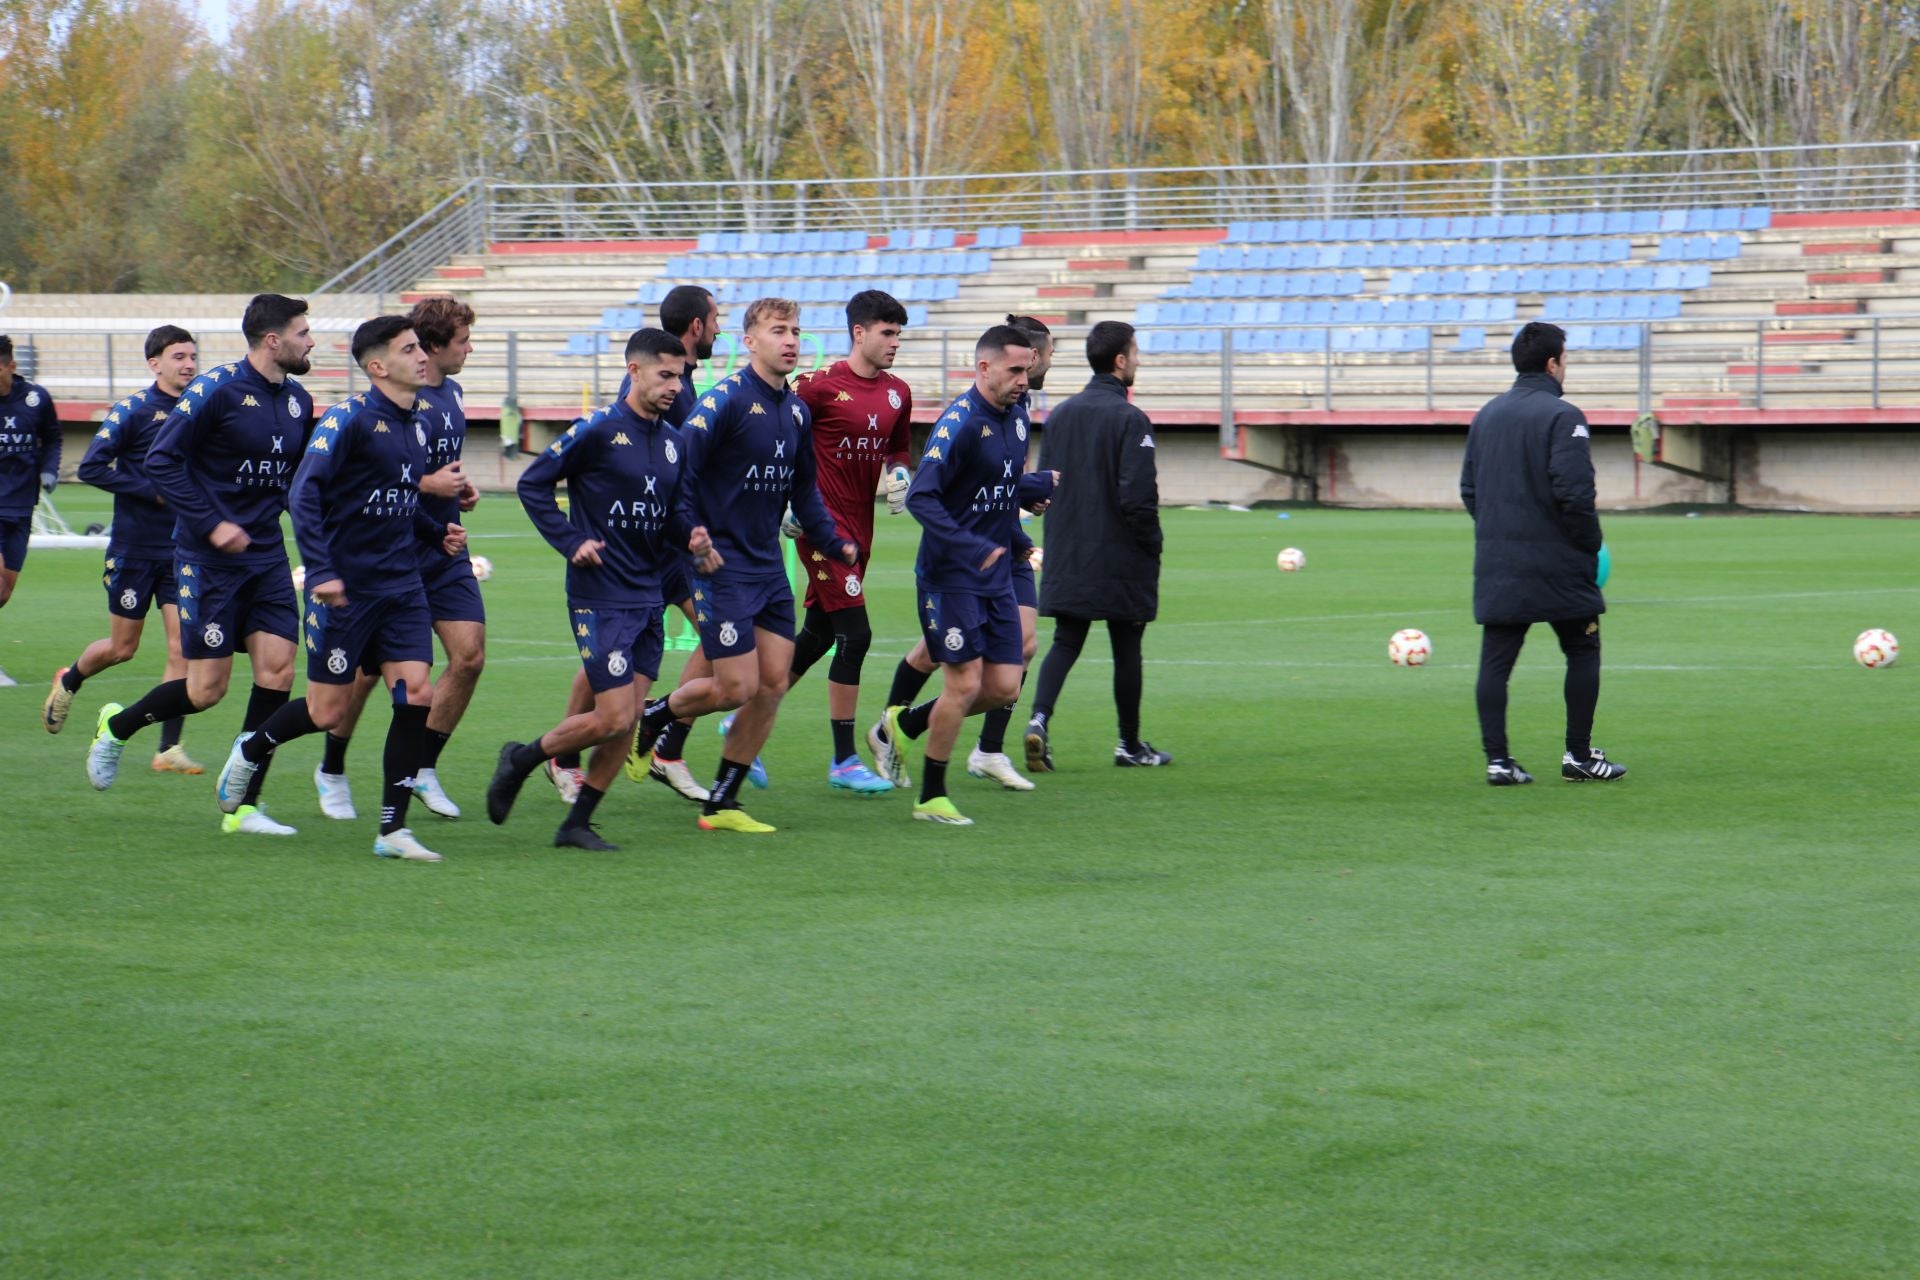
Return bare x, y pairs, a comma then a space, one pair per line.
165, 336
999, 338
1107, 342
684, 304
269, 313
653, 343
437, 319
6, 347
1535, 344
377, 333
871, 307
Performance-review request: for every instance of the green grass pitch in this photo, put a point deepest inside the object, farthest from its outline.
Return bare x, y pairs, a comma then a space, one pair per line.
1314, 1002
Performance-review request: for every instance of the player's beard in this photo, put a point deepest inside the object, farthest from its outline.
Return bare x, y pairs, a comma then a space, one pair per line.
296, 368
703, 350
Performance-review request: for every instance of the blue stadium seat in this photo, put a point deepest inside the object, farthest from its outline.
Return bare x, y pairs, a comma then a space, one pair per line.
1583, 279
1319, 312
1293, 313
1405, 255
1700, 219
1638, 306
1450, 282
1352, 255
1209, 260
1285, 231
1592, 223
1757, 219
1672, 221
1457, 255
1726, 220
1471, 339
1666, 306
1617, 223
1485, 227
1363, 229
1646, 222
1566, 224
1538, 226
1609, 308
1696, 275
1483, 255
1239, 232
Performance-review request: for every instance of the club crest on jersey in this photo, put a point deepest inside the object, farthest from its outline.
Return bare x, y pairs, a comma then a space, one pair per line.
797, 415
893, 397
853, 584
616, 664
129, 598
337, 661
729, 635
293, 407
1020, 428
673, 454
420, 434
33, 399
213, 637
955, 641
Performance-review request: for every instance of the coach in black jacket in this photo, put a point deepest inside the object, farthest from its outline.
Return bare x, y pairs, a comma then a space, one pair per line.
1103, 540
1528, 484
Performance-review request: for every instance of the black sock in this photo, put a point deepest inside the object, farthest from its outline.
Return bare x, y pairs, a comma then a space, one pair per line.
993, 729
71, 679
162, 702
170, 733
333, 754
261, 706
914, 720
289, 722
907, 684
842, 739
673, 743
405, 743
726, 785
582, 812
933, 778
528, 755
436, 742
566, 760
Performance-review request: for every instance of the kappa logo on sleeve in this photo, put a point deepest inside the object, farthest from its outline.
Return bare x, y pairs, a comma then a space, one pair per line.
1580, 432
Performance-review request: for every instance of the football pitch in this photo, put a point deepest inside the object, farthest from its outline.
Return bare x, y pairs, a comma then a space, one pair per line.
1313, 1002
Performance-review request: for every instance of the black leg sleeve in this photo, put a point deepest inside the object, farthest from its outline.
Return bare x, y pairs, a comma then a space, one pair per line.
1499, 650
1069, 635
1128, 679
1580, 641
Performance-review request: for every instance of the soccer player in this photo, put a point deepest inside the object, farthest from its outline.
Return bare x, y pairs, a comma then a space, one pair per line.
1527, 481
623, 469
222, 461
1106, 540
989, 758
29, 464
444, 327
746, 463
358, 519
139, 568
964, 496
862, 425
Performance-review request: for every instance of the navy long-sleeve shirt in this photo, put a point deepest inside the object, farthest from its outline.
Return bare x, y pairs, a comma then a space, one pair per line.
749, 457
116, 460
356, 498
227, 452
442, 413
624, 474
966, 494
29, 447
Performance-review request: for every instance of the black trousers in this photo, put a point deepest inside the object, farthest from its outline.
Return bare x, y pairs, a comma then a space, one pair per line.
1069, 635
1500, 648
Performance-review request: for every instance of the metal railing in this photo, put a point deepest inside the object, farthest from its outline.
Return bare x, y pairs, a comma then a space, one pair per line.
1880, 175
1715, 361
457, 224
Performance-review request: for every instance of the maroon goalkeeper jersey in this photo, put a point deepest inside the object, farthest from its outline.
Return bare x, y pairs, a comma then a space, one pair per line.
861, 426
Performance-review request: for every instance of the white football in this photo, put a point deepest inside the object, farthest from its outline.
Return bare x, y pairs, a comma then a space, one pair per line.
299, 578
1292, 560
1876, 648
1037, 559
482, 568
1409, 648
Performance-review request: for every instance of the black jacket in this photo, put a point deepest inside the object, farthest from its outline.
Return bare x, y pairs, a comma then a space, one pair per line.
1103, 529
1528, 484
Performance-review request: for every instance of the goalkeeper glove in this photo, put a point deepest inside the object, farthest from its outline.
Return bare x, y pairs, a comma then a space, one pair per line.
898, 480
790, 527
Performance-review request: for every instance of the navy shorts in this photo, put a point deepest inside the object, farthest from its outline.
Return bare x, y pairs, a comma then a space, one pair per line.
453, 593
13, 542
674, 587
617, 644
135, 584
728, 609
961, 627
222, 604
1024, 591
369, 632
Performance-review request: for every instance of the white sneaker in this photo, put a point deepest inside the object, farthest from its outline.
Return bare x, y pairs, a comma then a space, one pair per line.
336, 794
675, 774
997, 766
252, 820
426, 785
103, 756
566, 781
235, 774
402, 844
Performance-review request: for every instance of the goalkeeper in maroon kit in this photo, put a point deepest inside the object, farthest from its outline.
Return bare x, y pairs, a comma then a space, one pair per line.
862, 418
